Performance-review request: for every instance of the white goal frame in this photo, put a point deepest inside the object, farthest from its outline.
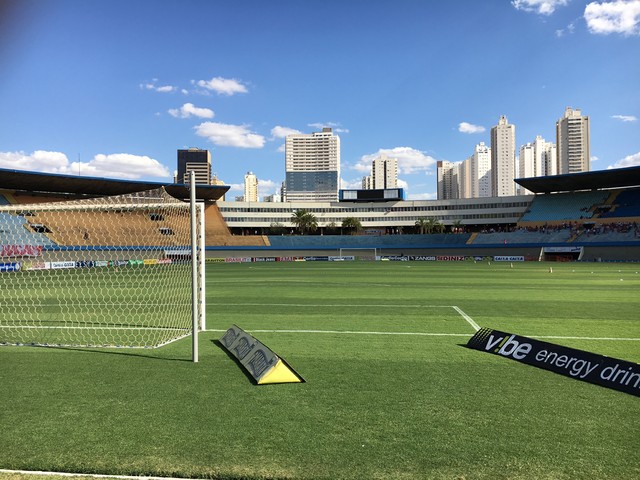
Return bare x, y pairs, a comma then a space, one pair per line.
359, 253
54, 261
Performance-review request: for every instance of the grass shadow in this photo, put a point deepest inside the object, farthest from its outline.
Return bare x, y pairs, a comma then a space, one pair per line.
218, 344
123, 351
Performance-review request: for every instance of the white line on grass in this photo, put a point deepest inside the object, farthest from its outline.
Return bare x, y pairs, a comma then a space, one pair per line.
469, 320
475, 326
90, 475
315, 305
424, 334
353, 332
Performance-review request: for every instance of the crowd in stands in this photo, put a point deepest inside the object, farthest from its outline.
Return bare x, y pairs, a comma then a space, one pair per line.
575, 229
606, 228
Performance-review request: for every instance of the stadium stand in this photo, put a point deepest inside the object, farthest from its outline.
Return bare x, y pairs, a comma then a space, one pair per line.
319, 242
15, 230
217, 232
99, 229
564, 206
625, 204
611, 236
544, 236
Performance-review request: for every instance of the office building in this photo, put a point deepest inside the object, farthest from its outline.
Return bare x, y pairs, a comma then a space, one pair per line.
503, 159
312, 167
194, 160
572, 142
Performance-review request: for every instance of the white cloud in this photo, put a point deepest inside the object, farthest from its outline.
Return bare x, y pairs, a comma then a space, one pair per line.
423, 196
625, 118
223, 86
628, 161
189, 110
569, 30
541, 7
268, 187
230, 135
336, 127
118, 165
613, 17
156, 88
355, 184
282, 132
465, 127
410, 160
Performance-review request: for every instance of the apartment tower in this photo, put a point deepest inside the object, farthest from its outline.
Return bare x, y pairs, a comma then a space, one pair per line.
479, 176
503, 159
384, 172
312, 167
572, 141
250, 187
448, 180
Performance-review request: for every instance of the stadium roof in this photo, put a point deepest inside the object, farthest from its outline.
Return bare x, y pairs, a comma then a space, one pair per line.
601, 179
95, 186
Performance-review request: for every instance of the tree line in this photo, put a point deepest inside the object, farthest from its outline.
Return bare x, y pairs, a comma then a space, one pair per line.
306, 223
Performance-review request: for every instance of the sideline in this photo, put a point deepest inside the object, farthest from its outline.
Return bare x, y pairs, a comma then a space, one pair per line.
87, 475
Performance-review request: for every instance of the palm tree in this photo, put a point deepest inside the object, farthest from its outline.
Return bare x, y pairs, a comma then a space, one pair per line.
305, 221
457, 227
352, 224
427, 225
421, 223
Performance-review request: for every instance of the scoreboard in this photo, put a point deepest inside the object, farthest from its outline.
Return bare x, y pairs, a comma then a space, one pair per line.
379, 195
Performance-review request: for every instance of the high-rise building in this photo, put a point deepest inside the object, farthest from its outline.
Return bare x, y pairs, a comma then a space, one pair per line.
194, 160
503, 159
537, 159
384, 173
480, 172
448, 180
250, 187
312, 167
572, 142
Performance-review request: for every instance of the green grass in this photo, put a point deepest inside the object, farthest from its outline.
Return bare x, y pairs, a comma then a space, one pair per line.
384, 397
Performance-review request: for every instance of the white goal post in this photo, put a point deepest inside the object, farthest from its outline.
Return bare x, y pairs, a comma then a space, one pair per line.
122, 271
359, 253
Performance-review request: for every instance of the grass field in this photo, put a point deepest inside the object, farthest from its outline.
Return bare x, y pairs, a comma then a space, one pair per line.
390, 392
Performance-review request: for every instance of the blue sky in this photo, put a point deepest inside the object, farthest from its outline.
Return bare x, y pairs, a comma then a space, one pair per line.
114, 87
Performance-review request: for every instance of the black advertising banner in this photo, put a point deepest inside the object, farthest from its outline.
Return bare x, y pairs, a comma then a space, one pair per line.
586, 366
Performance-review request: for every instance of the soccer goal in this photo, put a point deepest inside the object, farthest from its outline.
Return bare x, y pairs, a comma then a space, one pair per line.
359, 253
122, 271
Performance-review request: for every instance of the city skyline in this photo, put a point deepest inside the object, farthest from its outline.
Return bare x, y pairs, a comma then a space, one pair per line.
114, 88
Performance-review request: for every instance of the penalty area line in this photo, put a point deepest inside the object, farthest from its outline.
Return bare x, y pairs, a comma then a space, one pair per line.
475, 326
355, 332
420, 334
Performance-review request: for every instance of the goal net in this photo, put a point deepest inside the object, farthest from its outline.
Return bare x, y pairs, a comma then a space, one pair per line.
359, 253
105, 272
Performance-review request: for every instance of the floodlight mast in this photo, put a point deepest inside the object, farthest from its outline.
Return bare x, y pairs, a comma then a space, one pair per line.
194, 269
